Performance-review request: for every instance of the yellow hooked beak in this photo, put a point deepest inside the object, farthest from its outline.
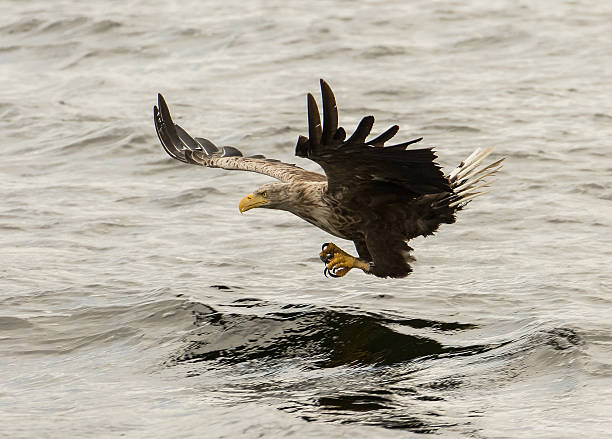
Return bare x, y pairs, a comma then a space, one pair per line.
250, 202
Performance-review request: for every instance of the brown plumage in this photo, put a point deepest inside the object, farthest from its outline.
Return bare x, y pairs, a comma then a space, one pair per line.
377, 196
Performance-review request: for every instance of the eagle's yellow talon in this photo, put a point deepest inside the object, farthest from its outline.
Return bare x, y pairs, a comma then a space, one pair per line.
329, 251
341, 265
337, 261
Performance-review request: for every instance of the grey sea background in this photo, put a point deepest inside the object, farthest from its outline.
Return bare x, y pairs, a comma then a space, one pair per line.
136, 301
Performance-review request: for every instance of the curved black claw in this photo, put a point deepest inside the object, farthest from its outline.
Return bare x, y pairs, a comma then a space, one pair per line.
328, 256
330, 272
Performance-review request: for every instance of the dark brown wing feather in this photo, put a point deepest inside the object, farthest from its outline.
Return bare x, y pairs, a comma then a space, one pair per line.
390, 254
357, 160
389, 219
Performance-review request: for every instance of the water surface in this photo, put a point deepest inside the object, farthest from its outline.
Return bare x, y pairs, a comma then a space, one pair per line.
136, 301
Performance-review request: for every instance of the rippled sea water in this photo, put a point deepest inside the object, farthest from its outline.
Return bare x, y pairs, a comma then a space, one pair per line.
137, 302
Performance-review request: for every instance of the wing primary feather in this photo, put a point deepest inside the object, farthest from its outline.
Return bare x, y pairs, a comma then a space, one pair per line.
165, 140
314, 122
301, 148
189, 141
189, 158
230, 151
405, 144
330, 113
168, 122
362, 131
207, 145
384, 137
340, 135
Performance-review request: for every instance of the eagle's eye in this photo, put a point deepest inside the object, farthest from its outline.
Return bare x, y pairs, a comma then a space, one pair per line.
264, 194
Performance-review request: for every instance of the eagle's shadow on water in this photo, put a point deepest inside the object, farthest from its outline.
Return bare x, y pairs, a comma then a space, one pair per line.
360, 346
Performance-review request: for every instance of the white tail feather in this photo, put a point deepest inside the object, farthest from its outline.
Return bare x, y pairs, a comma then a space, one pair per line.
455, 171
469, 183
475, 162
466, 199
465, 178
472, 188
476, 171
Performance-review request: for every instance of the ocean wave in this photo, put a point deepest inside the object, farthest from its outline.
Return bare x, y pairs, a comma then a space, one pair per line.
335, 337
370, 368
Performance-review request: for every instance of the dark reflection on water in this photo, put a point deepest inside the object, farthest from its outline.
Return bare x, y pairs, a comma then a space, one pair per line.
368, 347
358, 403
376, 410
336, 338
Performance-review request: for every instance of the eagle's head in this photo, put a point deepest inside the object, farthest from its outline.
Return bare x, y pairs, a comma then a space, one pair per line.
270, 196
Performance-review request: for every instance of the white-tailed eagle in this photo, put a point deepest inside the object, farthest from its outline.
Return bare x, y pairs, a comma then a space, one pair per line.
377, 196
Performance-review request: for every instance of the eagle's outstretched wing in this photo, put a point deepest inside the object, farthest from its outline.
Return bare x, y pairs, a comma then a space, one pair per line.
199, 151
351, 163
